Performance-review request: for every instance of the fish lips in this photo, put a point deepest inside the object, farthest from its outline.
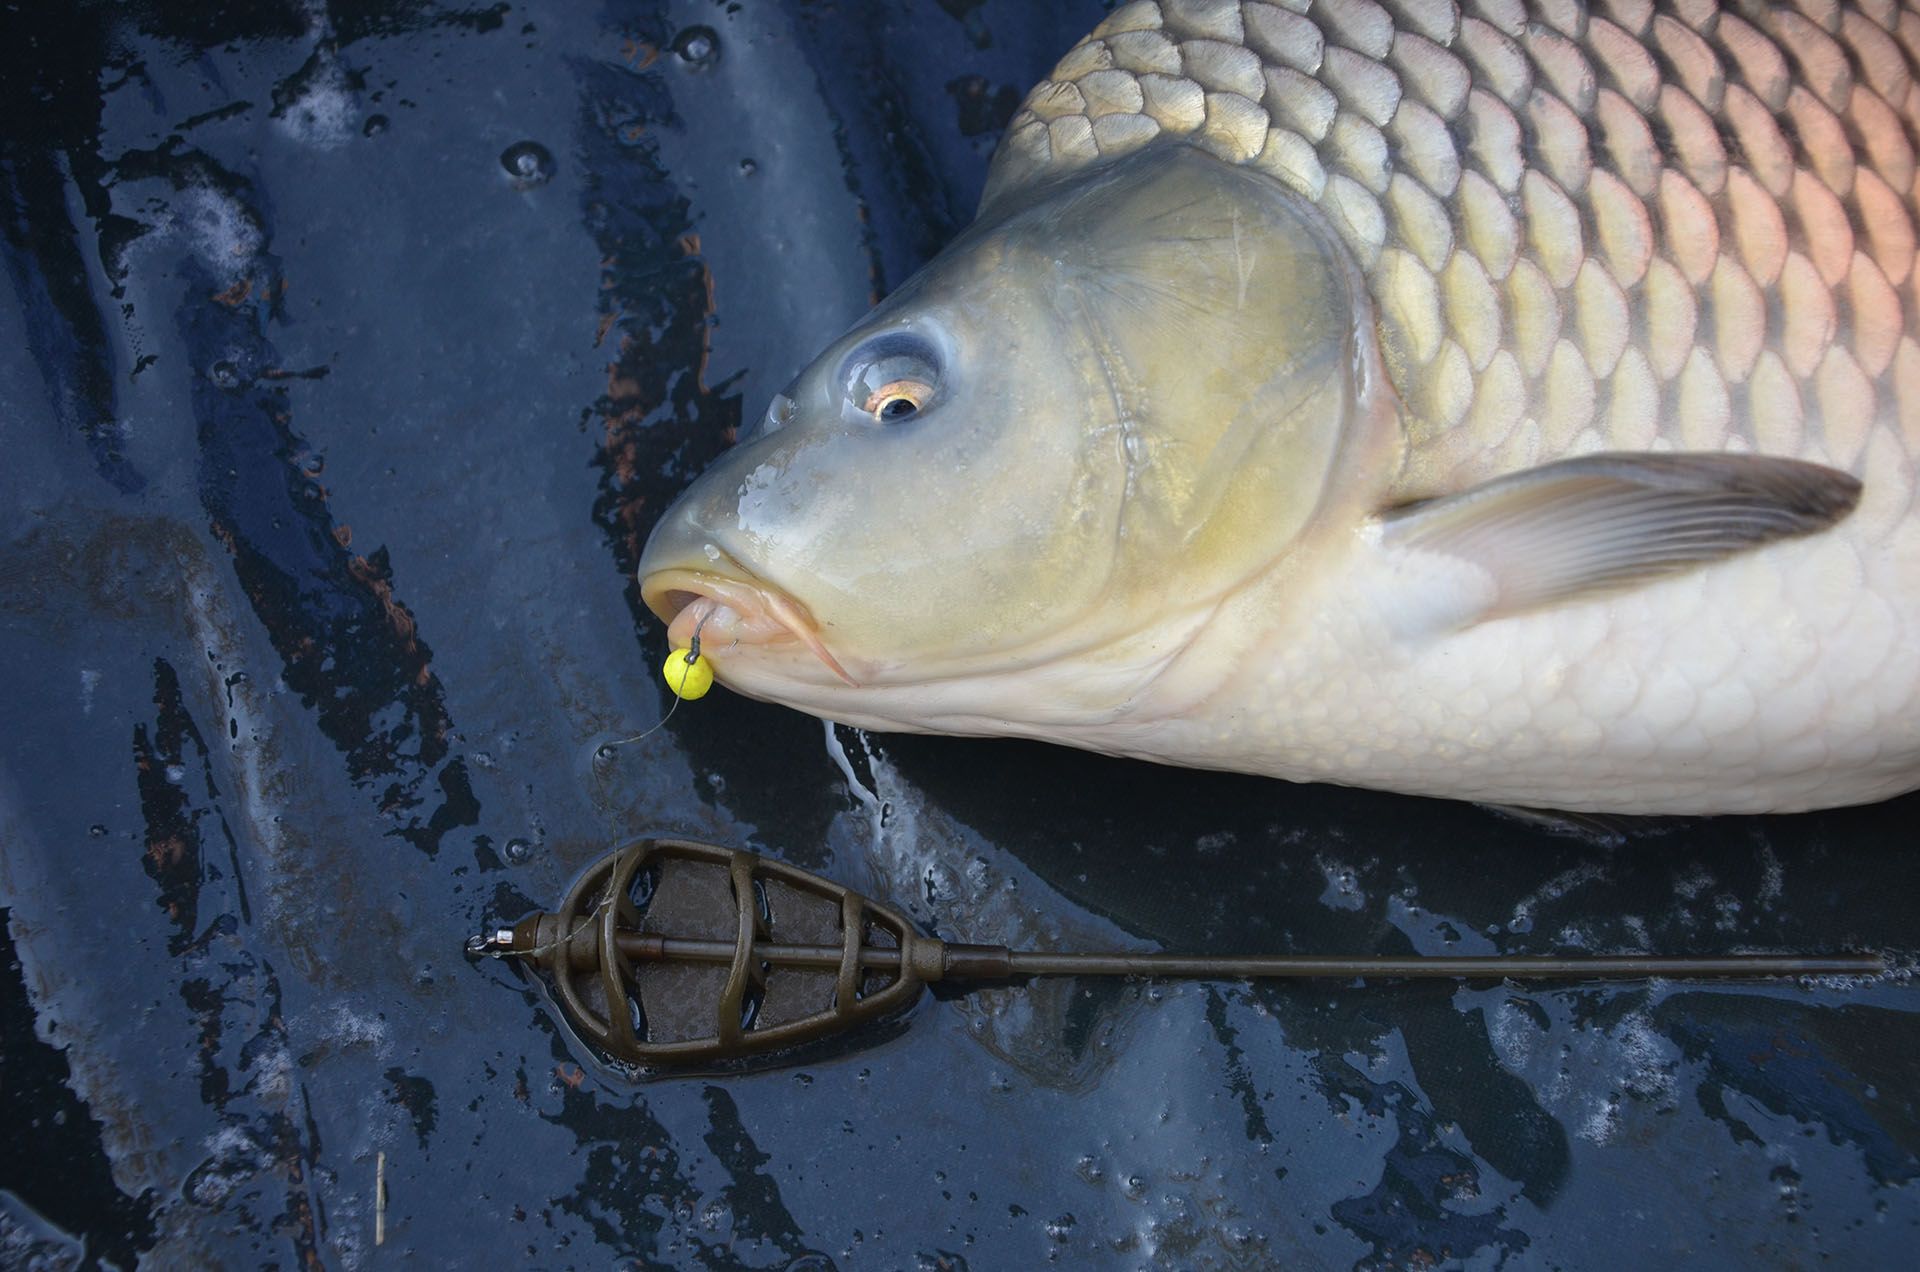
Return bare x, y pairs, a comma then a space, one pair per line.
728, 611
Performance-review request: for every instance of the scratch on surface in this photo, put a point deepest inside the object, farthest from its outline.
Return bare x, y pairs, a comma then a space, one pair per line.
1243, 264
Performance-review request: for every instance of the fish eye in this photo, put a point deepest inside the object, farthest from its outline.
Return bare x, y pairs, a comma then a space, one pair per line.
898, 400
892, 378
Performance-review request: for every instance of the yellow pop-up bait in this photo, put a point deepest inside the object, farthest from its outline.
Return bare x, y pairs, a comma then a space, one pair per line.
688, 674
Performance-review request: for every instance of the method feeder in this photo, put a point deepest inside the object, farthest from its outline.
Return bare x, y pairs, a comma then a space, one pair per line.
670, 952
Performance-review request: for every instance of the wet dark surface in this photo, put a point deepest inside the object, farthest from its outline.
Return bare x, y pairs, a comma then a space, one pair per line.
349, 352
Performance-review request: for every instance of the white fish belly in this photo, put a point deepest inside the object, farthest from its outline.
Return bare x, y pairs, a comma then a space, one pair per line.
1778, 681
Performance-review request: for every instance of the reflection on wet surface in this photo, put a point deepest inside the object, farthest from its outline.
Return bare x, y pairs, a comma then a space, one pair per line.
351, 351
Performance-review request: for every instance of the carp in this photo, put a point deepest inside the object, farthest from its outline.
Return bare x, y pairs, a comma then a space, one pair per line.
1502, 401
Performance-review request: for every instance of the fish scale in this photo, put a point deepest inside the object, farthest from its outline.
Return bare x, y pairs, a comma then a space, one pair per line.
1585, 228
1640, 278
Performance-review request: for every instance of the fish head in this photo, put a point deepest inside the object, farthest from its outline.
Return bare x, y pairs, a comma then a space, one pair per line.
1011, 487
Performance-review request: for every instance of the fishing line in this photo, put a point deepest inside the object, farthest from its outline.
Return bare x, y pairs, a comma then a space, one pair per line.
681, 692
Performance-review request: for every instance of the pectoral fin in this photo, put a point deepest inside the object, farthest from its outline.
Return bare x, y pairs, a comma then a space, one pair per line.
1600, 523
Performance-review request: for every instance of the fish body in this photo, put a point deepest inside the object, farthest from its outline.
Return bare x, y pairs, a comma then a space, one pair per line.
1512, 402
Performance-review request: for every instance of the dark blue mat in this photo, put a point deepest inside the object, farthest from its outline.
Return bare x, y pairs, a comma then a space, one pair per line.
334, 414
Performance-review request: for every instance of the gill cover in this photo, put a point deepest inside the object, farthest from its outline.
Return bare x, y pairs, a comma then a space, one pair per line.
1125, 394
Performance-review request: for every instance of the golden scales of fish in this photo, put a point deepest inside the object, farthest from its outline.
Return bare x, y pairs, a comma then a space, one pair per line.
670, 952
1504, 400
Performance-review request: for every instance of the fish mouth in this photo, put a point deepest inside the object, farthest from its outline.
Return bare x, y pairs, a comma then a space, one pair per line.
725, 612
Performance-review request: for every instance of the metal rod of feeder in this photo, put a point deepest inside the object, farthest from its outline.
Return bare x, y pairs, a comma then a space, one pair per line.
997, 962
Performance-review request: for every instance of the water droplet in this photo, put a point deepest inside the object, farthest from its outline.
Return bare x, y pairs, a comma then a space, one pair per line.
519, 851
1059, 1229
748, 167
603, 752
697, 46
529, 164
375, 125
176, 773
96, 830
226, 374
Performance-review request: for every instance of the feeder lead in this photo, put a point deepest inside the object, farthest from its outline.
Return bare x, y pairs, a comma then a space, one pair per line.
799, 957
